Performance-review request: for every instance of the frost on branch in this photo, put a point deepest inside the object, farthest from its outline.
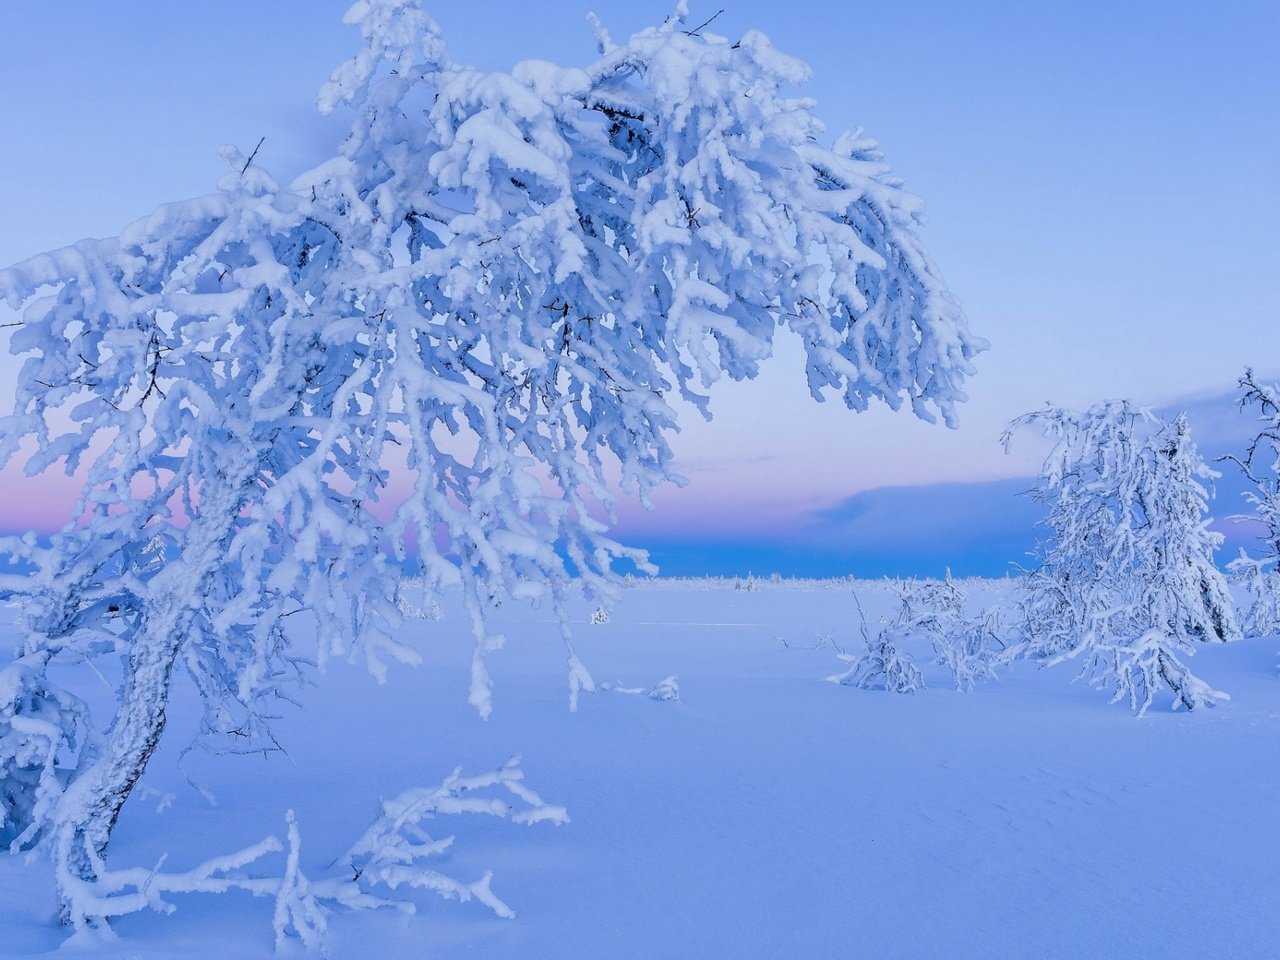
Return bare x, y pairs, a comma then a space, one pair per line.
415, 601
392, 854
497, 284
1261, 467
1126, 581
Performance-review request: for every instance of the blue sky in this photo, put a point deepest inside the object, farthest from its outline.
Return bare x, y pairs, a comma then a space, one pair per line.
1101, 180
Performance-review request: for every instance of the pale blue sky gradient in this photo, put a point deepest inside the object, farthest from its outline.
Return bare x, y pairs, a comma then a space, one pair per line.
1102, 180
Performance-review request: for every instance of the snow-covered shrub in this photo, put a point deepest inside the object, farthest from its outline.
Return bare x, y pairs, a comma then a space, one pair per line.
882, 664
599, 616
501, 279
298, 912
929, 603
1126, 580
668, 689
974, 648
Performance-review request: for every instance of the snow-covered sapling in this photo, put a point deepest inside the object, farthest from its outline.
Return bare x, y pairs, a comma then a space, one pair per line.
973, 648
499, 282
883, 664
1126, 580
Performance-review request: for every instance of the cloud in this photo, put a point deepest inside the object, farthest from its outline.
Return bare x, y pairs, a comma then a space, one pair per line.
982, 528
975, 529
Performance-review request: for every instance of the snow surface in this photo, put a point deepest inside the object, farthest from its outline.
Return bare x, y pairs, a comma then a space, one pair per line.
763, 814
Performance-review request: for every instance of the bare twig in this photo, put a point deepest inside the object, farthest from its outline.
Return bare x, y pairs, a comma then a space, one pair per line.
862, 617
704, 23
252, 155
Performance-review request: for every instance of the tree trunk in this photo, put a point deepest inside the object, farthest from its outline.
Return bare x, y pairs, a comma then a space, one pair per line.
88, 809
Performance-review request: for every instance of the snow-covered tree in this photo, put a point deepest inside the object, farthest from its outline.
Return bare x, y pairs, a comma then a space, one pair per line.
455, 339
1261, 467
1126, 579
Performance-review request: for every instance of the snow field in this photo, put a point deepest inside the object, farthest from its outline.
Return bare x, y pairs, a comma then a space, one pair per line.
764, 814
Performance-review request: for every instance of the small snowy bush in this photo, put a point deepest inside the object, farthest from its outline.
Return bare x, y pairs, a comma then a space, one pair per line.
933, 610
882, 664
974, 648
929, 603
668, 689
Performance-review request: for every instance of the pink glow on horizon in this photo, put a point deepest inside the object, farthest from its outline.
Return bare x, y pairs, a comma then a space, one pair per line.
42, 503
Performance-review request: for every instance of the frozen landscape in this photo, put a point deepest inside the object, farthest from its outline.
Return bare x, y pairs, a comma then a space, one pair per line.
764, 814
333, 498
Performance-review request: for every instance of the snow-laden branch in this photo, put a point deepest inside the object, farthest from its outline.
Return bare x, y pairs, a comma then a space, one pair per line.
390, 855
1261, 467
